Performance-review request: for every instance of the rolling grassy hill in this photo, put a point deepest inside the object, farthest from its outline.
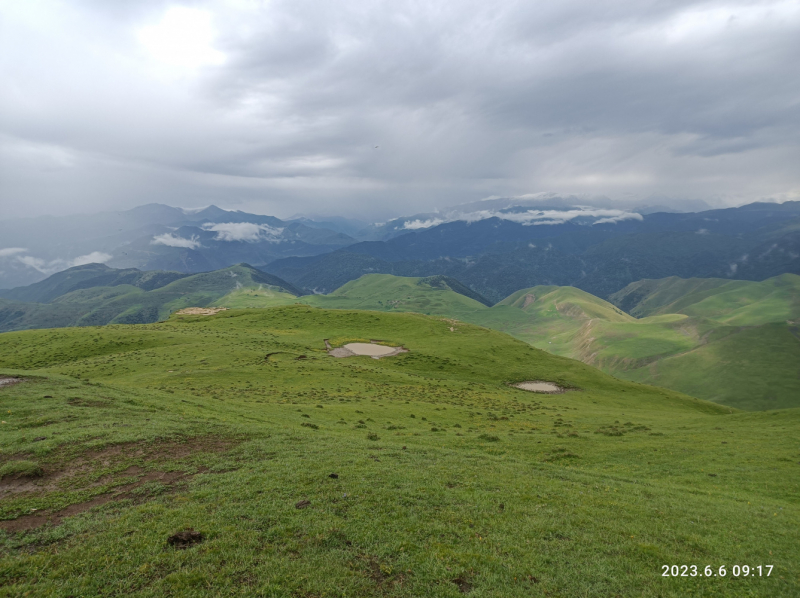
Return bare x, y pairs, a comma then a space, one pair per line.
732, 342
692, 335
384, 292
95, 295
423, 474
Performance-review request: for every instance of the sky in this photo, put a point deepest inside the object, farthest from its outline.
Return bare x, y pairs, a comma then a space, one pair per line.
376, 109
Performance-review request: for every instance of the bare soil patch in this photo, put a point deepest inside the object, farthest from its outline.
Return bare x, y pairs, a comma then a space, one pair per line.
372, 349
200, 311
5, 381
540, 386
55, 475
185, 539
33, 521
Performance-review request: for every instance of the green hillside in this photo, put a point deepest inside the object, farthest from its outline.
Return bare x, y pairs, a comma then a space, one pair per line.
384, 292
732, 302
550, 317
423, 474
692, 335
89, 276
732, 342
749, 368
130, 304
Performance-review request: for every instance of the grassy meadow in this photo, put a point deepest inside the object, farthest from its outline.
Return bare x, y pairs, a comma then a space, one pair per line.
422, 474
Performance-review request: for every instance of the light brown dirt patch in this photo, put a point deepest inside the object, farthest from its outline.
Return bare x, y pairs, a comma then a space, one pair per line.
200, 311
539, 386
373, 350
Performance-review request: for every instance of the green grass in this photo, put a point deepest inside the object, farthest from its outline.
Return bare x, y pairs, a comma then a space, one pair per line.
21, 468
260, 296
754, 368
384, 292
586, 493
731, 302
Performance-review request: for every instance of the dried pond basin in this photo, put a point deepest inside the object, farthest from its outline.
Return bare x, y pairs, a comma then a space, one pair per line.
539, 386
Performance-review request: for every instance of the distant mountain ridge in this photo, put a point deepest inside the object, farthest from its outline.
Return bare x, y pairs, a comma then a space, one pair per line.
154, 237
493, 247
495, 256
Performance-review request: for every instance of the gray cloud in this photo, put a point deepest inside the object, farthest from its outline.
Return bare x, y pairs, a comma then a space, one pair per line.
245, 231
171, 240
20, 256
463, 100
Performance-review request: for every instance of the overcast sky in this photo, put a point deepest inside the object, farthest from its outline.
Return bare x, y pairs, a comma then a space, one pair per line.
389, 108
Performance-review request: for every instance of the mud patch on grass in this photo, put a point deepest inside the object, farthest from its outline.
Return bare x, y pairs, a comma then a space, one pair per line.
185, 539
5, 381
464, 586
164, 449
81, 402
71, 470
137, 491
383, 574
127, 491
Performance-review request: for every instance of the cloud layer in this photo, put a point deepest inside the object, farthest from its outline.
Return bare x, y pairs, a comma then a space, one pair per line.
390, 108
531, 217
171, 240
244, 231
48, 267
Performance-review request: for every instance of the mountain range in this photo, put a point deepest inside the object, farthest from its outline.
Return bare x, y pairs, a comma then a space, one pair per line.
154, 237
494, 247
587, 249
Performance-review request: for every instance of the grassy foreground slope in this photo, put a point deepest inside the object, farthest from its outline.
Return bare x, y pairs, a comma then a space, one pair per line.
448, 480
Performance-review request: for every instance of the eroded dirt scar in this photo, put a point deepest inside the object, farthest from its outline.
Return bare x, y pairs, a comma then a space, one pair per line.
123, 482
